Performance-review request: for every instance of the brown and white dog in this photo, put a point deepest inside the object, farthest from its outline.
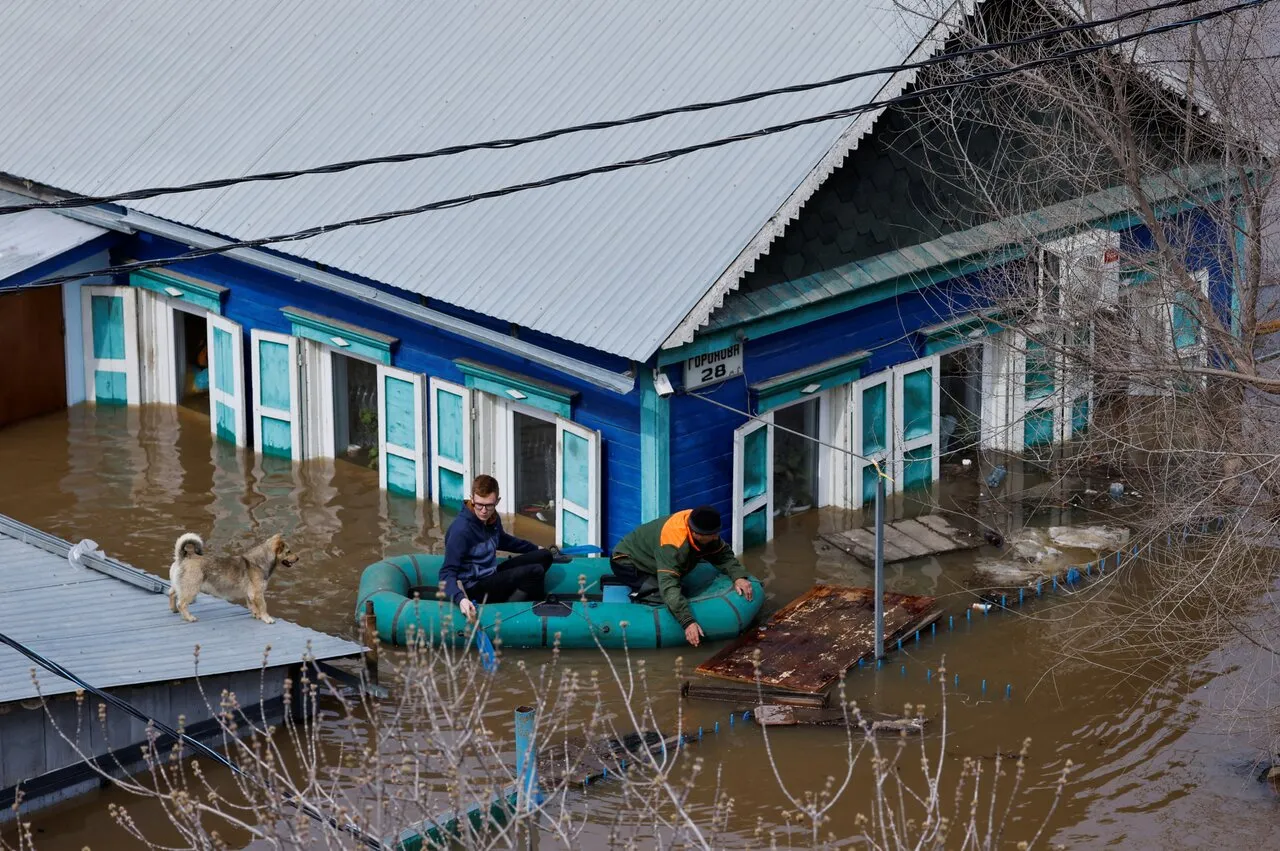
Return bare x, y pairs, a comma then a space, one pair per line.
233, 578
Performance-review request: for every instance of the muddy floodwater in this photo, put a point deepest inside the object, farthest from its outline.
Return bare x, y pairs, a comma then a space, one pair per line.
1163, 762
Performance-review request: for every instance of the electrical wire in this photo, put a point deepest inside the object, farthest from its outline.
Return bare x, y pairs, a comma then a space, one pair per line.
517, 141
649, 159
125, 706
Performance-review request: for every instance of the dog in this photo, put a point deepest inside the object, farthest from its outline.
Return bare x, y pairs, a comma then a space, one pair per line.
233, 578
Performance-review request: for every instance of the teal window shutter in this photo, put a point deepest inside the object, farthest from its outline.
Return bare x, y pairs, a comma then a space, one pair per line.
341, 336
803, 383
187, 289
520, 388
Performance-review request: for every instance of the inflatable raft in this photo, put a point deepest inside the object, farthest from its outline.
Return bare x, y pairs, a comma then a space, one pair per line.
391, 584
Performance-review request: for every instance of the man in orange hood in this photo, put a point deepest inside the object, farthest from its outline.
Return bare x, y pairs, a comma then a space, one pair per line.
668, 548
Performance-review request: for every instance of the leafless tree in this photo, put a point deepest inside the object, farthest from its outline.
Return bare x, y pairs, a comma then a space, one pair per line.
382, 770
1170, 140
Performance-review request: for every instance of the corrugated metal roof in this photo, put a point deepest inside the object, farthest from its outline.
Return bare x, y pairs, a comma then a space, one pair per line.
113, 633
111, 95
30, 238
748, 305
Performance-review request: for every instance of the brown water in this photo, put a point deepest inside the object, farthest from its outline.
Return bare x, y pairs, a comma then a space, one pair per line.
1160, 763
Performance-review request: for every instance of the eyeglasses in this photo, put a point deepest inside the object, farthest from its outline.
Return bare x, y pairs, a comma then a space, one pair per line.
487, 506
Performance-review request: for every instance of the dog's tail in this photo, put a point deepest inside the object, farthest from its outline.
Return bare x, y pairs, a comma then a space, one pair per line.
189, 544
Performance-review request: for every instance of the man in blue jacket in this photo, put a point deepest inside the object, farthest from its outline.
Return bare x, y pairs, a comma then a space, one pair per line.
471, 572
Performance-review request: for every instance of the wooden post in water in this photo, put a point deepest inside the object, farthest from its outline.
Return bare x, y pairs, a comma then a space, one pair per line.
369, 638
879, 564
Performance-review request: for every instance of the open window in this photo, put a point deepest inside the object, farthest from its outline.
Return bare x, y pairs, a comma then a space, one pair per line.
752, 483
110, 319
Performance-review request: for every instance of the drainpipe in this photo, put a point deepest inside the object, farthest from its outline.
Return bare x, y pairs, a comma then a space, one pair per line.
527, 794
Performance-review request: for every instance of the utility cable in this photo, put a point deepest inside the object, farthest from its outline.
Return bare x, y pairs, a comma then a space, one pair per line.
650, 159
199, 746
517, 141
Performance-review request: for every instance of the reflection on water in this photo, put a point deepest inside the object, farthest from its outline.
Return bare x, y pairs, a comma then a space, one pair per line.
1154, 770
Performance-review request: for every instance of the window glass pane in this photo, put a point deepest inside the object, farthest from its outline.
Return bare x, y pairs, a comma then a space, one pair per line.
1038, 428
1185, 327
869, 477
917, 468
1080, 415
795, 458
755, 528
875, 418
917, 403
1039, 381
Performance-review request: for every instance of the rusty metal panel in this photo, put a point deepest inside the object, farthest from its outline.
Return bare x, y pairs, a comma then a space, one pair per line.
812, 640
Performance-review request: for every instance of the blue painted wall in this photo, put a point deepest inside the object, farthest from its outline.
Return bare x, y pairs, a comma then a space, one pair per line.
702, 434
257, 295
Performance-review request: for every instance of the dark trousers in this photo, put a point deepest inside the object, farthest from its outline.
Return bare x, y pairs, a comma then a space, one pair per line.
626, 571
523, 573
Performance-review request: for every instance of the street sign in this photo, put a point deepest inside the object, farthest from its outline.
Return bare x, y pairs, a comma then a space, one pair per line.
713, 367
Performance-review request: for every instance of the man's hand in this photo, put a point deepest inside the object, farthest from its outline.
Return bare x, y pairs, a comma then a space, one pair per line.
744, 588
693, 634
468, 608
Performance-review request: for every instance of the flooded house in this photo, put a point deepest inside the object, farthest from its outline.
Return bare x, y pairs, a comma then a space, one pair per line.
612, 347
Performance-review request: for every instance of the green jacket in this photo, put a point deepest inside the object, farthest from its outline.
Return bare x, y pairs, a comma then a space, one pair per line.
663, 548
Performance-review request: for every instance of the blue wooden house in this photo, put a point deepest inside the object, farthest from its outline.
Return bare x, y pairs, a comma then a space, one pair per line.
804, 281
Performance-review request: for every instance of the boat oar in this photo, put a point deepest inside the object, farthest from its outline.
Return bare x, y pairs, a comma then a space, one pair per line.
488, 656
582, 550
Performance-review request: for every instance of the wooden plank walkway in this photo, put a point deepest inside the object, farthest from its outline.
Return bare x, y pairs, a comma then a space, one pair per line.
904, 539
811, 641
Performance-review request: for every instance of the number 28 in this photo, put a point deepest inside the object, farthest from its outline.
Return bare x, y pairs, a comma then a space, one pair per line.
710, 373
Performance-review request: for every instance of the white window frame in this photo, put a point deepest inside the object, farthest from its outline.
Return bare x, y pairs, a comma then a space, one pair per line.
903, 445
590, 512
421, 454
742, 507
884, 456
129, 365
294, 416
466, 467
238, 400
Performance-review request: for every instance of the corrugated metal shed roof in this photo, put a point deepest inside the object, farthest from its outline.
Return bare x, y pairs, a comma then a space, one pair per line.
111, 95
30, 238
112, 633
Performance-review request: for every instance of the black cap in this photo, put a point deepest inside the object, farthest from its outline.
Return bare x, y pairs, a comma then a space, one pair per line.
704, 520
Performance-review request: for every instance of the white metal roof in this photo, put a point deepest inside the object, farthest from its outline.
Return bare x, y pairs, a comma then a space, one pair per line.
102, 96
32, 237
112, 632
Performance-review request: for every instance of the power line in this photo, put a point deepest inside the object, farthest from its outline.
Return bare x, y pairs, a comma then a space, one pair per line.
517, 141
649, 159
199, 746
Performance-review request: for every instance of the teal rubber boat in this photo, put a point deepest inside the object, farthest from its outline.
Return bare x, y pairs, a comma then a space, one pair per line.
403, 591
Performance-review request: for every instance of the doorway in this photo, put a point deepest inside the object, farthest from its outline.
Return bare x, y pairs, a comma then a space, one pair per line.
191, 355
961, 400
795, 458
534, 448
355, 411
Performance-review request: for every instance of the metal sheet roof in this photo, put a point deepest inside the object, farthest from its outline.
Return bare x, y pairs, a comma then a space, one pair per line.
112, 632
30, 238
108, 95
743, 306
